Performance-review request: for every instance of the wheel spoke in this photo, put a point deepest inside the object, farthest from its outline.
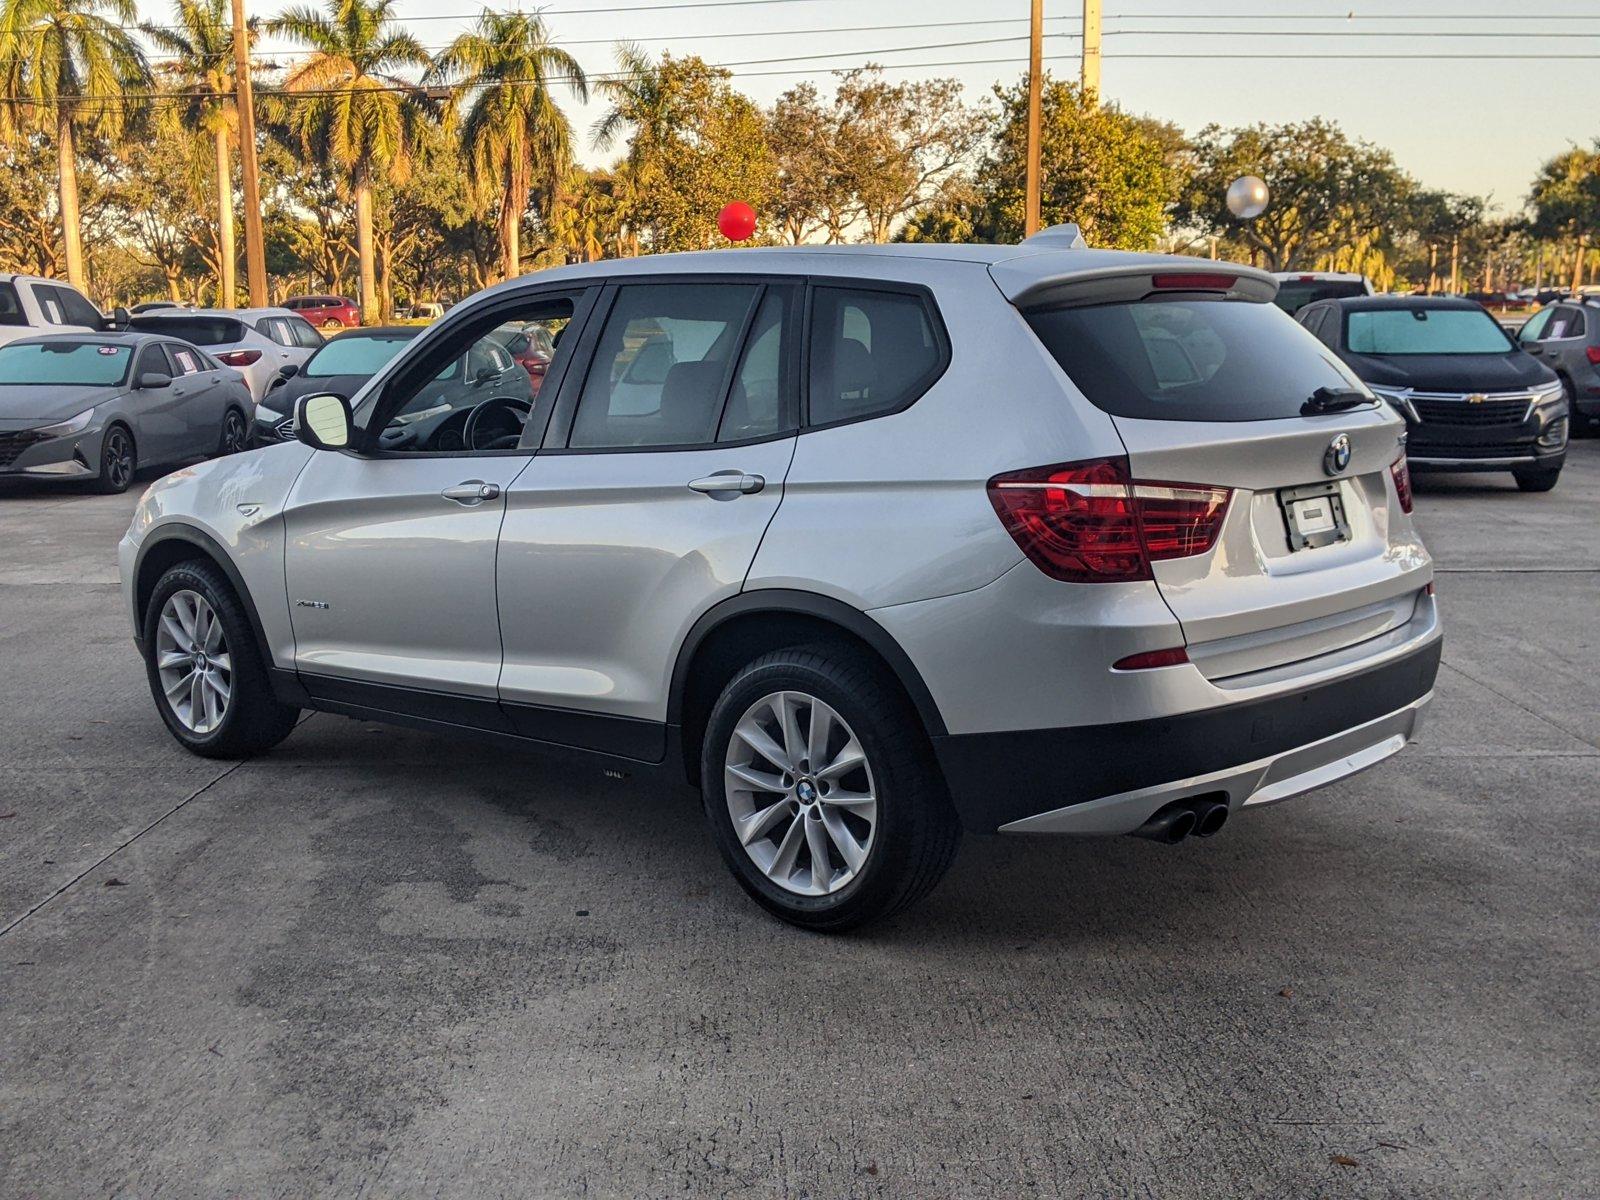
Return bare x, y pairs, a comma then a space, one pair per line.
223, 661
197, 699
759, 823
174, 629
789, 722
852, 851
761, 781
758, 738
782, 866
850, 757
817, 734
863, 804
178, 686
171, 659
821, 864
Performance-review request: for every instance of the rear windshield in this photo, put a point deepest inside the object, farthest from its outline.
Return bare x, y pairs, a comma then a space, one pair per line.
353, 356
200, 331
1294, 294
1397, 331
1190, 359
78, 364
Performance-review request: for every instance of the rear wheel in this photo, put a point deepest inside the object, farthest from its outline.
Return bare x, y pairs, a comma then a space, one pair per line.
821, 790
1578, 425
119, 461
332, 325
235, 433
206, 674
1540, 479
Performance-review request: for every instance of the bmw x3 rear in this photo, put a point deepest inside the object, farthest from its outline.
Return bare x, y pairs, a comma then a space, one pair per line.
1032, 539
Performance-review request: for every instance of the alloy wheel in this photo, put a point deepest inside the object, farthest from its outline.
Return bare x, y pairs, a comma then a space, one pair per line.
801, 793
193, 662
117, 458
234, 433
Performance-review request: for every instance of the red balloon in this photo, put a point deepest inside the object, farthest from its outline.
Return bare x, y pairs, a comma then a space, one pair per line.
737, 221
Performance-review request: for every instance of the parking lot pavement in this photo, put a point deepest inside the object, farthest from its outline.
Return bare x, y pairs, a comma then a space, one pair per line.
377, 963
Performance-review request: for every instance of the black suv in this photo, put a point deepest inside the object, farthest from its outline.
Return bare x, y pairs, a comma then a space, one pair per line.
1472, 398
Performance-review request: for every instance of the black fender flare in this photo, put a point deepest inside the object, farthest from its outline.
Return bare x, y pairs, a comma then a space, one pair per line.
190, 535
784, 600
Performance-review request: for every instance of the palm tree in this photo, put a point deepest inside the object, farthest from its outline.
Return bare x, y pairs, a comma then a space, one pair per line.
69, 66
641, 97
200, 39
513, 131
347, 103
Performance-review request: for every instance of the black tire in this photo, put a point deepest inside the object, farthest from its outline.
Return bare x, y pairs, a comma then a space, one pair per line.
916, 831
1578, 425
1540, 479
119, 461
254, 720
235, 433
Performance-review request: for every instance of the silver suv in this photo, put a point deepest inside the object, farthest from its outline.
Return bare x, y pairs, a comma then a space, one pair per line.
870, 544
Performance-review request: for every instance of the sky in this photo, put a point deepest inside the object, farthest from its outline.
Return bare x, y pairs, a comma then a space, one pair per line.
1469, 95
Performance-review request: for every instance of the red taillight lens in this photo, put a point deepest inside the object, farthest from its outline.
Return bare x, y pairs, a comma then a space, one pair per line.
1193, 282
1152, 659
537, 366
1402, 482
1592, 353
1091, 522
239, 358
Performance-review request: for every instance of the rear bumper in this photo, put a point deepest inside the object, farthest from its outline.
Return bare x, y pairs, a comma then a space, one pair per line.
1106, 779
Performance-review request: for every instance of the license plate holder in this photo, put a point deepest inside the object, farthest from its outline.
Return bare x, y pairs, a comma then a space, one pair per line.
1313, 515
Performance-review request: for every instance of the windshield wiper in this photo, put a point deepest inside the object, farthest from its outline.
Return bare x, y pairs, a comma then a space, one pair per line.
1331, 400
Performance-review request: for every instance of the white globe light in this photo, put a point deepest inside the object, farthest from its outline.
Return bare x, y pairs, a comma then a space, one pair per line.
1247, 197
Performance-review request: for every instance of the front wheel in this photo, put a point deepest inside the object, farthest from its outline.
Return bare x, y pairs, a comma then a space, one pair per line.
1540, 479
206, 674
822, 792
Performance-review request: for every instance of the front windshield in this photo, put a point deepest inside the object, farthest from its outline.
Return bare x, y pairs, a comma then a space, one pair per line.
75, 364
353, 356
1400, 331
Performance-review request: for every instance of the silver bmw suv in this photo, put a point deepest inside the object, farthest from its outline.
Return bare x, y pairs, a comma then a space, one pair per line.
872, 545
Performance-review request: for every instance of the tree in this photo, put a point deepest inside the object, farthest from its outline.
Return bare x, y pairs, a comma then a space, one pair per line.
900, 144
69, 67
347, 103
200, 39
811, 196
513, 131
1326, 190
1565, 200
696, 144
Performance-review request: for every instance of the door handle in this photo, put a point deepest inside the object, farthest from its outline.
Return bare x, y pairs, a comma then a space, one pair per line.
472, 493
726, 485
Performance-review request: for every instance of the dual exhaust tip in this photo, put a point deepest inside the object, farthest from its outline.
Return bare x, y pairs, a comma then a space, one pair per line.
1201, 816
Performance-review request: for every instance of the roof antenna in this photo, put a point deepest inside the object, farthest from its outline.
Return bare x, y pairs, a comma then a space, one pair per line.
1058, 237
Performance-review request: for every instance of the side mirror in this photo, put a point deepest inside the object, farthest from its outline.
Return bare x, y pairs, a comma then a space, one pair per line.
322, 421
119, 317
486, 375
153, 381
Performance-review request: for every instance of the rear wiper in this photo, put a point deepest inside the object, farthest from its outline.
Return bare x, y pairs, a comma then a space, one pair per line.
1331, 400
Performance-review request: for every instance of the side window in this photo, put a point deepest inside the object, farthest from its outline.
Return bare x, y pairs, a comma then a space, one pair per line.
184, 359
871, 353
49, 304
759, 404
75, 310
277, 329
662, 365
433, 415
11, 306
1533, 328
1560, 324
304, 335
152, 360
1576, 329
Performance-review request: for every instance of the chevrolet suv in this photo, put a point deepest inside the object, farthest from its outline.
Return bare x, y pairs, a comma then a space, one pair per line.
871, 545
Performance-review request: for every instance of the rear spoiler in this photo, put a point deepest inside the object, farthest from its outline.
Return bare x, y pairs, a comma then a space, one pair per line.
1029, 286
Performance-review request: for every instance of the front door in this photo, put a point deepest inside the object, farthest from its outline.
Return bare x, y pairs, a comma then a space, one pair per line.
668, 464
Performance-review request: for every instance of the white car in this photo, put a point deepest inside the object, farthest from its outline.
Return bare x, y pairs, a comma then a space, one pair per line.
897, 541
1296, 289
30, 306
256, 342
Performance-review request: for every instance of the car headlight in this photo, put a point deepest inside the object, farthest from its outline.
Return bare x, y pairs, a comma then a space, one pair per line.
65, 428
1549, 395
1399, 399
268, 416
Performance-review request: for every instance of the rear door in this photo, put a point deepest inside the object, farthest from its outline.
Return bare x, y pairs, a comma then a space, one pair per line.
203, 398
646, 506
1207, 388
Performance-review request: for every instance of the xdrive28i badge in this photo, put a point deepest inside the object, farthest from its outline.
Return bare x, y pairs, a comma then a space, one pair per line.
1337, 456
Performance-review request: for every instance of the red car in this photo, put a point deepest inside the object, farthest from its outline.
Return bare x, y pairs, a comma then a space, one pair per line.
326, 312
533, 347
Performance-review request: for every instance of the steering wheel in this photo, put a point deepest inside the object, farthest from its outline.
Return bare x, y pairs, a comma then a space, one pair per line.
508, 412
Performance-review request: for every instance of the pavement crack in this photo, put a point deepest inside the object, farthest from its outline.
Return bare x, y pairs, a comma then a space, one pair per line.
1509, 699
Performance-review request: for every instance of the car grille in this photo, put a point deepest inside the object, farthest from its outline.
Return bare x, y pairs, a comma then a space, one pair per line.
285, 429
13, 444
1418, 448
1505, 408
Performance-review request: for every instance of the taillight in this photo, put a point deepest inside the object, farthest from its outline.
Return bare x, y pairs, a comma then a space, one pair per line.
1193, 282
1402, 482
1091, 522
239, 358
1592, 353
1152, 659
537, 366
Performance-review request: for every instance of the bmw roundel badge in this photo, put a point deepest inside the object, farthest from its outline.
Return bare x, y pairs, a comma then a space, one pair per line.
1337, 456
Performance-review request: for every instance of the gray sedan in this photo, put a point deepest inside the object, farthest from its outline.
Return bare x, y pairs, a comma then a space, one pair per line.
100, 406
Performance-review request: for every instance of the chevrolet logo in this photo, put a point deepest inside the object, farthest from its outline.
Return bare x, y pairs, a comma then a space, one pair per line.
1476, 398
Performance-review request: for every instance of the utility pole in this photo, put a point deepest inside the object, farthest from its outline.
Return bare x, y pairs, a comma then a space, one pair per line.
1030, 220
255, 250
1089, 77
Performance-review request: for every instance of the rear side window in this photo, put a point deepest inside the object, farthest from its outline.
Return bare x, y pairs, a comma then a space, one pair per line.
202, 331
304, 336
1295, 294
187, 361
1189, 359
11, 306
65, 307
663, 365
871, 353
